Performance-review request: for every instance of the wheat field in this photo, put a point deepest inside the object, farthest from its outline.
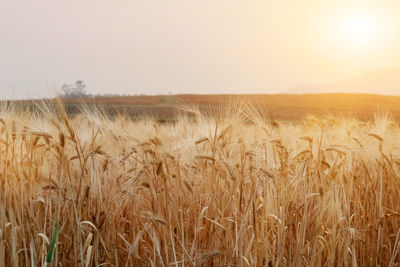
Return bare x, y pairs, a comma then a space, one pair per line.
229, 188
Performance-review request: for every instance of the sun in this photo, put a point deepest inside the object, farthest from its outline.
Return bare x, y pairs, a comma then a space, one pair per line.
361, 29
355, 30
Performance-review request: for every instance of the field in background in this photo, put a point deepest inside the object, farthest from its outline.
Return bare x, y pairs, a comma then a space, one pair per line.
278, 107
214, 191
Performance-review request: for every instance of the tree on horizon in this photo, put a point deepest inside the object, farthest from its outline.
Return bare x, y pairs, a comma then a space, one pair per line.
78, 89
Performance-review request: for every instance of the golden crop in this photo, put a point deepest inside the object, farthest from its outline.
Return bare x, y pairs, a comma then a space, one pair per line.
227, 189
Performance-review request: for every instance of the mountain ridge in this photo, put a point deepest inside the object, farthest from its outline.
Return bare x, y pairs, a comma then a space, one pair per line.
382, 82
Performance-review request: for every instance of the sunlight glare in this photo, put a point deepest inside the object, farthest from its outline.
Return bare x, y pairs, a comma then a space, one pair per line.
361, 29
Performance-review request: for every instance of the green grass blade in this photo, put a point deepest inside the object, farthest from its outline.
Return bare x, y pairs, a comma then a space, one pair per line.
53, 244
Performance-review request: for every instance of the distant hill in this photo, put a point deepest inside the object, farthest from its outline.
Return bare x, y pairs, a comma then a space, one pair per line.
386, 82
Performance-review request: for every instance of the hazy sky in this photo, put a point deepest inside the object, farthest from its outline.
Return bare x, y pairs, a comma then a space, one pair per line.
192, 46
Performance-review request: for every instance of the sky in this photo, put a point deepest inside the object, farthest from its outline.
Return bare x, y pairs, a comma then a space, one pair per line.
191, 46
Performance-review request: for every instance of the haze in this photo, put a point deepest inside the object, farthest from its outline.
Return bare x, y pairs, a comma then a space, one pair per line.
208, 46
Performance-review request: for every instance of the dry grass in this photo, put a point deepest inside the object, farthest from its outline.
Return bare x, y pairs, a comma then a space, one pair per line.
219, 191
